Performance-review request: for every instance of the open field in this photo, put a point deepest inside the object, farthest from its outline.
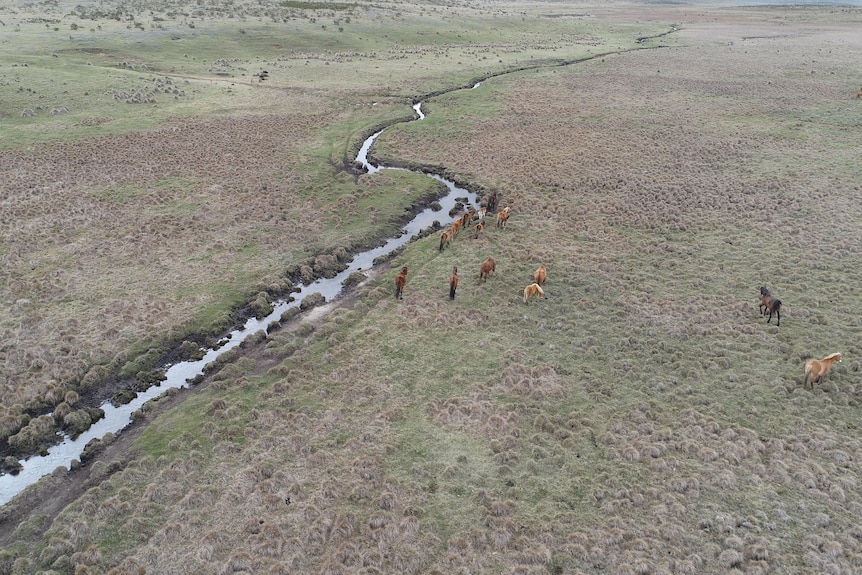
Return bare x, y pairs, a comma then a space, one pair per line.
641, 418
153, 183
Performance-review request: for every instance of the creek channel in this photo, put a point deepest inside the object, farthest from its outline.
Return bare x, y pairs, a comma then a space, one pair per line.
118, 418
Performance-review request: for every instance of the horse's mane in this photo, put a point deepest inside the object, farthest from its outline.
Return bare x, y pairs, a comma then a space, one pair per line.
832, 356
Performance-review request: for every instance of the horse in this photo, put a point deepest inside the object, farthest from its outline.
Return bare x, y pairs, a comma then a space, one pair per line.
770, 304
493, 199
480, 215
400, 282
540, 275
456, 227
453, 282
479, 227
816, 369
488, 266
467, 218
503, 217
531, 290
859, 94
445, 238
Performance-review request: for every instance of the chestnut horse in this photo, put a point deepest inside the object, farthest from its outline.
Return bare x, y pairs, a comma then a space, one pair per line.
453, 283
456, 227
541, 275
816, 369
400, 282
770, 304
531, 290
503, 217
488, 266
479, 227
445, 238
467, 218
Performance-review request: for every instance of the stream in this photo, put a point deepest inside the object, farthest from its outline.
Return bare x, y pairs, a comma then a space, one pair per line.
118, 418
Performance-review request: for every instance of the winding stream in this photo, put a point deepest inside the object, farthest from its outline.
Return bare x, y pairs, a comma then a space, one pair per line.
118, 418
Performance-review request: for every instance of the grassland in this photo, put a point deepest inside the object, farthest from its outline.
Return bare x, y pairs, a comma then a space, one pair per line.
641, 418
154, 183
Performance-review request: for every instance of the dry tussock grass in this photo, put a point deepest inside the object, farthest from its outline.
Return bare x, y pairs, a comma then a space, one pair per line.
664, 432
87, 223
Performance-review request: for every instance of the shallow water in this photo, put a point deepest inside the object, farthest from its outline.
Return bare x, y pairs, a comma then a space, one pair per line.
118, 418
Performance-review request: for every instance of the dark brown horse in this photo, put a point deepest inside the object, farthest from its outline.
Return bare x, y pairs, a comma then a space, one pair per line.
493, 200
770, 304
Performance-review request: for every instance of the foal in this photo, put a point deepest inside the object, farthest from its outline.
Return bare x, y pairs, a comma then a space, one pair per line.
816, 369
770, 304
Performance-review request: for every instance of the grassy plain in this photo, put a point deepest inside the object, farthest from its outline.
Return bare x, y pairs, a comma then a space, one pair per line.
153, 183
641, 418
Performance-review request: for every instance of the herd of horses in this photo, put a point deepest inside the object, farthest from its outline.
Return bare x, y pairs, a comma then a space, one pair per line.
815, 369
476, 218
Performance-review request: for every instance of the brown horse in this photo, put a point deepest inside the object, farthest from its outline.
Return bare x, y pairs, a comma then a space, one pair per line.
456, 227
400, 282
479, 227
531, 290
445, 238
770, 304
467, 218
453, 283
541, 275
488, 266
493, 199
816, 369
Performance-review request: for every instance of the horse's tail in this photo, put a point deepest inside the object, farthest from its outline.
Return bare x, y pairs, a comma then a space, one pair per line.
452, 285
397, 290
